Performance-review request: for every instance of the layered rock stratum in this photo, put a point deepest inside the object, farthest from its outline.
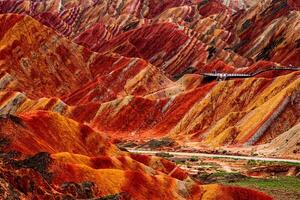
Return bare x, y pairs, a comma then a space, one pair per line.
78, 75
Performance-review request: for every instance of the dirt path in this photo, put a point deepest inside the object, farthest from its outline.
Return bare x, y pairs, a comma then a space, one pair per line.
214, 156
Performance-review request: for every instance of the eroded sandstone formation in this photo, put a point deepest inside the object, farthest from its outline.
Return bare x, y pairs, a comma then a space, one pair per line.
77, 75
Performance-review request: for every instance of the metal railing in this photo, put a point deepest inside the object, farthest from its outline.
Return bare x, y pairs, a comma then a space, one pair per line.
224, 76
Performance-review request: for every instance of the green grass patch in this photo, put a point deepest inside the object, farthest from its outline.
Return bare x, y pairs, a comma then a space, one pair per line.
180, 162
291, 164
223, 173
194, 159
164, 155
270, 163
281, 183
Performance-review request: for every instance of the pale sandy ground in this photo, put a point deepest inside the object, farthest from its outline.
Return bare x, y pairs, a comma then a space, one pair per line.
285, 146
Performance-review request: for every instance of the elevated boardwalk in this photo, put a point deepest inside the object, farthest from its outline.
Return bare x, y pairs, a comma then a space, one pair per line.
224, 76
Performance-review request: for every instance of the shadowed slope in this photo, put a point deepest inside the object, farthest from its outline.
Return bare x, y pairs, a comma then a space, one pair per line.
264, 34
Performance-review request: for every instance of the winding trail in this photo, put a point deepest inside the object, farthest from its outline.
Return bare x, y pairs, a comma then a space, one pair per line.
214, 156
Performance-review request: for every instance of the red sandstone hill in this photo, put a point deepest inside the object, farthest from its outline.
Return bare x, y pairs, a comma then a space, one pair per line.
47, 156
76, 75
180, 33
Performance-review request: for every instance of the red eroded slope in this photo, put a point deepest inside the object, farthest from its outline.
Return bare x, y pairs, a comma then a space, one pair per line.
100, 176
162, 44
128, 97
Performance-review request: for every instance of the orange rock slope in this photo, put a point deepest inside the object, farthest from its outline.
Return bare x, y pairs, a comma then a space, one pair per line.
47, 156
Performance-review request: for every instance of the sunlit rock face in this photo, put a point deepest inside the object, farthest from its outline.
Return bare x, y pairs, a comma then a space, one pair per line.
77, 75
